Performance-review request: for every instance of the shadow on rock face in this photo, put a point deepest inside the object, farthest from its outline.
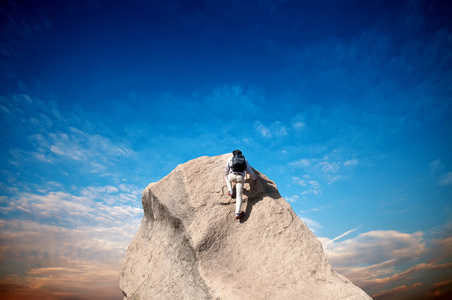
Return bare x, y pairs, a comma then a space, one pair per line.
257, 190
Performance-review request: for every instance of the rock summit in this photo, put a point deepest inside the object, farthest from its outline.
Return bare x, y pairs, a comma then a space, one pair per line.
190, 246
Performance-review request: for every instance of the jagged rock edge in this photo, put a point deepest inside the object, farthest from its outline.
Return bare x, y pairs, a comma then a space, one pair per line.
174, 222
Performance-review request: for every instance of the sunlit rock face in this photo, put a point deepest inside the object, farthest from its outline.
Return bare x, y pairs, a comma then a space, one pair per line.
190, 246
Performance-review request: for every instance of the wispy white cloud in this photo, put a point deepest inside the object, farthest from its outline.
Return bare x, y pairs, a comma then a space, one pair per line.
329, 167
304, 162
314, 188
279, 129
333, 178
310, 186
351, 162
274, 130
445, 179
322, 166
315, 209
95, 150
293, 198
301, 181
312, 224
298, 125
436, 166
123, 194
264, 131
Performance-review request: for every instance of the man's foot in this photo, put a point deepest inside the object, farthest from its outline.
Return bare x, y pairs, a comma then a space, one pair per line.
241, 214
230, 194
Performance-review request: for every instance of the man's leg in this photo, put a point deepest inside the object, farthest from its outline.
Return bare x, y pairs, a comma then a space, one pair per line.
228, 179
239, 190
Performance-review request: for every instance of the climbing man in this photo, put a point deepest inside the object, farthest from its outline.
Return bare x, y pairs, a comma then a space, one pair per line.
236, 169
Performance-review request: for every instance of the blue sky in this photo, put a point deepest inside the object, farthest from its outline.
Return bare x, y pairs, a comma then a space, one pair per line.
346, 105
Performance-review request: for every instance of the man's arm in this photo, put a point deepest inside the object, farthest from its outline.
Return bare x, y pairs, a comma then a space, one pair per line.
250, 171
226, 171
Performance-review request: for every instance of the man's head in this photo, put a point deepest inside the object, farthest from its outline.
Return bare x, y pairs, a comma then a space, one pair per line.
236, 152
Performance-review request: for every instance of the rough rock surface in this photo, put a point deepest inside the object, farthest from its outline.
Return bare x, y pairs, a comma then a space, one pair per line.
190, 246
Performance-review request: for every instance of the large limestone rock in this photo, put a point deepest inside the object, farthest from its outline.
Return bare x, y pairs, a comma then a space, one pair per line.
190, 246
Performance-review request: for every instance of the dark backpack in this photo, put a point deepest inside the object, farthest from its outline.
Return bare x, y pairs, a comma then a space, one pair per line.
238, 163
